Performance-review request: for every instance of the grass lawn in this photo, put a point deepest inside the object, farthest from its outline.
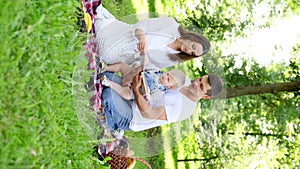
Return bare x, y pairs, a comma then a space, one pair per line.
39, 47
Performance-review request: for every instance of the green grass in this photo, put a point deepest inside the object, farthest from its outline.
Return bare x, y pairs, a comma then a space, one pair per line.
39, 127
39, 47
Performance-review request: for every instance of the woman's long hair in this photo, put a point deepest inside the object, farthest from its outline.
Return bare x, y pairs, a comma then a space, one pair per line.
181, 57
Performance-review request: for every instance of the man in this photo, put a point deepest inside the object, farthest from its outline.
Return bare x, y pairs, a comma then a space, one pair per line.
174, 106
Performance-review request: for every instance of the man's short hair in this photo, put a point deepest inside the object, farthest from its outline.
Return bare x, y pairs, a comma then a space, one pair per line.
216, 84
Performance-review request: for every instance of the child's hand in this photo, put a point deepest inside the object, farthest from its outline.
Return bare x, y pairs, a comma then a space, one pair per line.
147, 97
147, 90
147, 93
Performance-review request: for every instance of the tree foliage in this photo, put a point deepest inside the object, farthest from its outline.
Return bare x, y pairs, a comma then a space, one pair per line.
253, 131
220, 20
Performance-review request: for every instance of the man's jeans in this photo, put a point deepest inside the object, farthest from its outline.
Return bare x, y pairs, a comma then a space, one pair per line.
118, 111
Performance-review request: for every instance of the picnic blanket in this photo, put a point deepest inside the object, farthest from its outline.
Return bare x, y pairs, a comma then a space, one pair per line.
118, 149
89, 7
92, 50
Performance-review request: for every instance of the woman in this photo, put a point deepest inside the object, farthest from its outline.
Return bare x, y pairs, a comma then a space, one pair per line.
162, 39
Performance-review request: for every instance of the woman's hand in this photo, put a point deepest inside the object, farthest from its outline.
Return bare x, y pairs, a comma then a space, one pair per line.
142, 45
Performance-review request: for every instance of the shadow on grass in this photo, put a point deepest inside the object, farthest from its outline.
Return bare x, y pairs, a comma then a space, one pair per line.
159, 159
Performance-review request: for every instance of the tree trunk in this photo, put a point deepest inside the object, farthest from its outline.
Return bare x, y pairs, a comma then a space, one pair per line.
197, 159
260, 89
260, 134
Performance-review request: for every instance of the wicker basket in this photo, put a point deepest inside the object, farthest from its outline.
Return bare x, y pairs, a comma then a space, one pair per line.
120, 159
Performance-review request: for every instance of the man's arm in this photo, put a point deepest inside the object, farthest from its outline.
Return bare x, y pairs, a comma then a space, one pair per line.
146, 110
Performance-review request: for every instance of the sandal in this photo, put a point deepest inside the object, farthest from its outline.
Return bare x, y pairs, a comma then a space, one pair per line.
102, 66
104, 81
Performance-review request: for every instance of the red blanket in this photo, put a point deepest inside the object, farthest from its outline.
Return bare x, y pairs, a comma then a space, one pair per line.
92, 51
90, 7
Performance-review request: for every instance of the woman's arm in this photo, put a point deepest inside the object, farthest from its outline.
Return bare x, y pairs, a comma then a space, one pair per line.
142, 45
155, 24
151, 25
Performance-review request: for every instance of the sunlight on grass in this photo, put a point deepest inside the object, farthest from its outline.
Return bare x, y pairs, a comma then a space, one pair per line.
141, 6
164, 8
169, 159
173, 9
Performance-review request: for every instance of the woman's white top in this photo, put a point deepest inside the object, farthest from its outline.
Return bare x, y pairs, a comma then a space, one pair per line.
117, 41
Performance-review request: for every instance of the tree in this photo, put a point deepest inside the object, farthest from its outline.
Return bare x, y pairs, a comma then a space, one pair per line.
260, 129
261, 89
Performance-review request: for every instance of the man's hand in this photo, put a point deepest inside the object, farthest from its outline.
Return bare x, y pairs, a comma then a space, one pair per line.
136, 83
158, 113
127, 77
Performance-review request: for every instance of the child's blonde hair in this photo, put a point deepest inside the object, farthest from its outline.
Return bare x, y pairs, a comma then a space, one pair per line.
178, 76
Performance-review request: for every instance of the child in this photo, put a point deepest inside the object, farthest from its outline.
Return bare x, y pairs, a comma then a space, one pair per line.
156, 83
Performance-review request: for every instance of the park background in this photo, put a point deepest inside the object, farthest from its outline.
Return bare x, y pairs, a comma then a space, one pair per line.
255, 43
